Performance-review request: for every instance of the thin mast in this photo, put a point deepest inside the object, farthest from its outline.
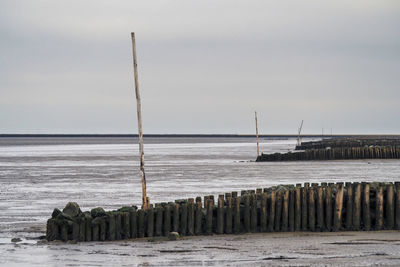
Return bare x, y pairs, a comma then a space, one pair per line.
258, 146
139, 116
299, 134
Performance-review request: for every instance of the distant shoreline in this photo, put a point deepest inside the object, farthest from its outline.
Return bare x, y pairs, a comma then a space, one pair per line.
194, 135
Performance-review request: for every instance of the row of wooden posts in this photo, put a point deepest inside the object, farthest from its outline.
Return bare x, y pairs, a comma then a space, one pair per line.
315, 207
348, 142
337, 153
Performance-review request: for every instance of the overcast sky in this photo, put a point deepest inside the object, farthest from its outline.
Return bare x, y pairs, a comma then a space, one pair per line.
204, 66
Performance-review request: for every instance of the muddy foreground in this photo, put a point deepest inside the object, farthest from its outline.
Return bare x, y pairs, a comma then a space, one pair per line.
283, 249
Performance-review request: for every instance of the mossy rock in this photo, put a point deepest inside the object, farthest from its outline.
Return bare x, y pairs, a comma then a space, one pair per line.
55, 213
97, 212
72, 209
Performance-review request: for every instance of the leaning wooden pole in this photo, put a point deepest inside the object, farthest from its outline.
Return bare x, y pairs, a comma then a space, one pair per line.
139, 116
258, 145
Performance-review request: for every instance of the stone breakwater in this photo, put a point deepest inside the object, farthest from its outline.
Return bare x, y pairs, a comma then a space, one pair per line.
321, 207
336, 153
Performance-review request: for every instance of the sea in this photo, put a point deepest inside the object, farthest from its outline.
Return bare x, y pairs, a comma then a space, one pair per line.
38, 174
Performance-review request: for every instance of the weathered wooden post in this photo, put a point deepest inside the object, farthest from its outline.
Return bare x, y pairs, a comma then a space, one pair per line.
366, 207
150, 220
379, 208
291, 210
167, 219
304, 207
190, 216
246, 213
139, 116
126, 226
141, 222
236, 215
183, 218
337, 215
328, 208
220, 215
258, 146
271, 217
263, 212
199, 217
209, 217
285, 211
389, 206
311, 209
228, 215
175, 217
349, 205
298, 208
278, 211
159, 220
320, 209
253, 213
133, 219
357, 206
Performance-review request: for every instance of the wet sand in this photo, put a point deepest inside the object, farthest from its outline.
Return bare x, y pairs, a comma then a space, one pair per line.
262, 249
35, 179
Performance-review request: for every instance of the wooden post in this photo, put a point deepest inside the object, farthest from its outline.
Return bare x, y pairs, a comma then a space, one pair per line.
271, 217
228, 215
126, 226
209, 217
183, 218
159, 220
220, 216
175, 217
139, 116
246, 213
320, 209
357, 206
263, 213
190, 216
278, 211
199, 217
258, 146
150, 220
285, 211
304, 208
236, 215
297, 223
133, 219
291, 210
379, 208
389, 206
349, 206
140, 221
311, 209
337, 215
366, 207
253, 213
328, 208
167, 220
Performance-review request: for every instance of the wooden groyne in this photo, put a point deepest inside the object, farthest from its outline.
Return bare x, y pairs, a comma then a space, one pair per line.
337, 153
348, 142
285, 208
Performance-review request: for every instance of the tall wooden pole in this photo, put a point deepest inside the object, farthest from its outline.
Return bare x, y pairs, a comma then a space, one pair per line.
139, 116
299, 134
258, 146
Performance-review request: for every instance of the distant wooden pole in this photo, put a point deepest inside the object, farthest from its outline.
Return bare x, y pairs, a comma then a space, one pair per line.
258, 145
299, 134
139, 116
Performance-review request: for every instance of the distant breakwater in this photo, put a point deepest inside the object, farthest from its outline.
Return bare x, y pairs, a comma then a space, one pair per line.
336, 153
285, 208
348, 142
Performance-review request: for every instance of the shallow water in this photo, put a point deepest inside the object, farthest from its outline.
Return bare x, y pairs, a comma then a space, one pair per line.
37, 175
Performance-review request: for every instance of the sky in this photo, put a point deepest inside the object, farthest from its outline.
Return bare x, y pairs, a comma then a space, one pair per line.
204, 66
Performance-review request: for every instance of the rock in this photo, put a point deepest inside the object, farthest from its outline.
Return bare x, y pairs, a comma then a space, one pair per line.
63, 216
98, 212
16, 240
72, 209
55, 213
173, 236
